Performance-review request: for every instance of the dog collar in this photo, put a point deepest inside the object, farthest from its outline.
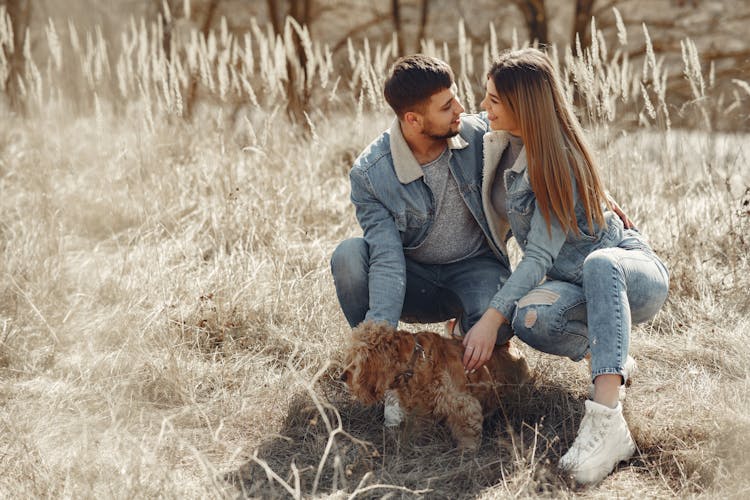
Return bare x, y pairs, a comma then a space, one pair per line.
404, 377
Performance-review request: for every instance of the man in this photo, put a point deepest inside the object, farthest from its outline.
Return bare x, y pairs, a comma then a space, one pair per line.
427, 253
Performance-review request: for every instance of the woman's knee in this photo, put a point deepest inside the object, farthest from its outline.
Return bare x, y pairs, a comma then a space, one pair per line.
645, 307
599, 264
539, 328
645, 282
531, 326
552, 319
534, 324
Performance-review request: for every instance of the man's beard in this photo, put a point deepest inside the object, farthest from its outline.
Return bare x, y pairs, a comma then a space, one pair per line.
440, 137
430, 132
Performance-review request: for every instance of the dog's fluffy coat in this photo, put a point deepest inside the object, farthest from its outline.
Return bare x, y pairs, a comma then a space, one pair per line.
434, 381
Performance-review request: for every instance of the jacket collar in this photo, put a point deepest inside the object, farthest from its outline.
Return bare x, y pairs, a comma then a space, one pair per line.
494, 144
520, 165
407, 167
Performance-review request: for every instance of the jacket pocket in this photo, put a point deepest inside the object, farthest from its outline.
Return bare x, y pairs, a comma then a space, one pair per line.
632, 240
400, 219
519, 204
568, 266
410, 219
412, 227
519, 198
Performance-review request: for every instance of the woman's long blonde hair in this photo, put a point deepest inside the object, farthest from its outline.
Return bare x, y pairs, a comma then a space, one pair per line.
528, 87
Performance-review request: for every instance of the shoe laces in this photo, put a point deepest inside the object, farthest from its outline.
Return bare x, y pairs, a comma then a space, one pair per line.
591, 435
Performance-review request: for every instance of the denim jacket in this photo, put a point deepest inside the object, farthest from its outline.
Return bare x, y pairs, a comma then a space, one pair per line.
395, 207
558, 255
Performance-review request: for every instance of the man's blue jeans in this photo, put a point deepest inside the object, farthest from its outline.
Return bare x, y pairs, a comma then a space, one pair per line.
434, 293
621, 285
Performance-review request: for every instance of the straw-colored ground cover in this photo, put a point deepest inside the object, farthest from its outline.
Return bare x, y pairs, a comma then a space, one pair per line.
168, 324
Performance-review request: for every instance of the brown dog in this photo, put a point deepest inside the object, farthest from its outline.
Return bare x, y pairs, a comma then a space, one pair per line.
426, 371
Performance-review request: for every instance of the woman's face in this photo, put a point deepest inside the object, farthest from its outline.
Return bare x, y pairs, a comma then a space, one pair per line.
498, 114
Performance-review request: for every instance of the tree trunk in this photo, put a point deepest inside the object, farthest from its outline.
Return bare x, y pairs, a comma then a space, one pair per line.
535, 16
423, 15
582, 22
166, 11
20, 16
298, 100
273, 14
396, 15
190, 101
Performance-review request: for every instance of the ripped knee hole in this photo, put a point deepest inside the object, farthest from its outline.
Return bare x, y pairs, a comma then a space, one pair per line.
530, 318
539, 297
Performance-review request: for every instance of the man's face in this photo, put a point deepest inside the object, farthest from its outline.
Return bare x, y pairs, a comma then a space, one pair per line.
441, 115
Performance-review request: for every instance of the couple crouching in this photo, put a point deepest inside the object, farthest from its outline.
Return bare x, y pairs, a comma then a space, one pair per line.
440, 192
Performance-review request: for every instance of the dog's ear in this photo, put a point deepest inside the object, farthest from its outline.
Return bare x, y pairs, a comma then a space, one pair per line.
374, 355
369, 379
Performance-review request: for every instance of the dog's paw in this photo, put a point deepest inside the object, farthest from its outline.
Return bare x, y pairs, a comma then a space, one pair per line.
468, 444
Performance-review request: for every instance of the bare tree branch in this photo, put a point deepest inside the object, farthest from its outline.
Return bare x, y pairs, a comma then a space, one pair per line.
604, 8
377, 19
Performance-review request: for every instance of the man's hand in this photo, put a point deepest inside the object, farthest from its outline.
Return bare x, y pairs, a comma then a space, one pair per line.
480, 339
629, 224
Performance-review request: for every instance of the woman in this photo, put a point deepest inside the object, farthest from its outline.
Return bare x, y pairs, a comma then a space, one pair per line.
598, 276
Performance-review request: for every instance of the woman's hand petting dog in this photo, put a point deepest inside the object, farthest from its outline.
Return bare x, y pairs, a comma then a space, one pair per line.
480, 339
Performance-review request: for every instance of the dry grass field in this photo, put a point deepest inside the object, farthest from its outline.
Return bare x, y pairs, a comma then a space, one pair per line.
169, 327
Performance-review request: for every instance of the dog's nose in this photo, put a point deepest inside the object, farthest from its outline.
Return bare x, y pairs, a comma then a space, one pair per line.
344, 377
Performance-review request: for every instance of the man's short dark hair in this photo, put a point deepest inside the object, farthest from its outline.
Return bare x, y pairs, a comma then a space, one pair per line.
413, 79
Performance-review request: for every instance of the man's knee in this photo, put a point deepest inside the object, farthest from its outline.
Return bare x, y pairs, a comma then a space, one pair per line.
350, 262
350, 267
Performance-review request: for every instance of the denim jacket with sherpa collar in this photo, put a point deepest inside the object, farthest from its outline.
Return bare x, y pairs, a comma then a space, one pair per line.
558, 255
396, 208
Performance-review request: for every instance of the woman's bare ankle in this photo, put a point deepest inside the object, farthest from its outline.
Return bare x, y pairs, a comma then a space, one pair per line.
607, 389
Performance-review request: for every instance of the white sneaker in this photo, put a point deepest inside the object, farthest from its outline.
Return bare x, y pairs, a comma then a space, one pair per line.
393, 415
630, 368
602, 442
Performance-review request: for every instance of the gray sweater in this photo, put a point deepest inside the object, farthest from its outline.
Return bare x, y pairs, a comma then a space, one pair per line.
455, 234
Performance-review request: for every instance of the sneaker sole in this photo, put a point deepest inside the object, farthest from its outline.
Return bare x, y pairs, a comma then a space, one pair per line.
595, 479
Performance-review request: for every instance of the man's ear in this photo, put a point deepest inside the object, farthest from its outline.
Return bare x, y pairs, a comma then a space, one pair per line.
413, 119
